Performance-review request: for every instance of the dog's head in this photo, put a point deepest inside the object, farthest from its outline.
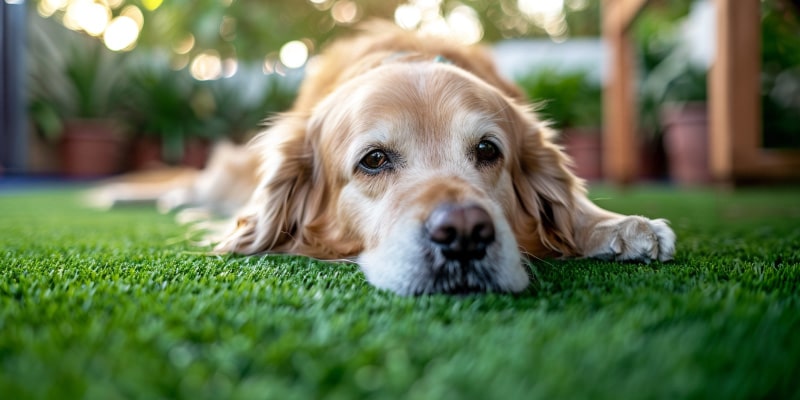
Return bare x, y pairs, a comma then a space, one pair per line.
429, 178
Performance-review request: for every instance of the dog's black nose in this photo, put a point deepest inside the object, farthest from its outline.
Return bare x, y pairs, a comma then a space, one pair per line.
462, 232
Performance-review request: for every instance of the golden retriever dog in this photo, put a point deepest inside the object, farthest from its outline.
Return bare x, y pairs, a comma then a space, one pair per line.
412, 157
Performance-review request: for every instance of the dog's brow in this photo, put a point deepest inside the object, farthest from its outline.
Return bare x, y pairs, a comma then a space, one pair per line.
475, 123
500, 112
372, 138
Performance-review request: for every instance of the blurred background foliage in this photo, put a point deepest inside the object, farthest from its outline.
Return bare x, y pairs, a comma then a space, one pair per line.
212, 69
253, 30
557, 92
668, 75
780, 83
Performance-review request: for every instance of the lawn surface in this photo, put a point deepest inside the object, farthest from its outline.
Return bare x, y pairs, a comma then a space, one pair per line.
118, 305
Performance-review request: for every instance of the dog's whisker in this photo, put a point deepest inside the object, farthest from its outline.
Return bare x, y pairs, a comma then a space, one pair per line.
535, 257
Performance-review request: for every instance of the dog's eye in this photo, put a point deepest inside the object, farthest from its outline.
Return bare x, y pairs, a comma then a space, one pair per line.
374, 161
487, 152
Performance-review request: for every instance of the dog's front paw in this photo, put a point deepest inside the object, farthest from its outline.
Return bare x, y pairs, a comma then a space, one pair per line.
633, 239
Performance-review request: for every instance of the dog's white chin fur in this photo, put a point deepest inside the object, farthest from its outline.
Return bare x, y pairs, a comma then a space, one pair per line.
405, 264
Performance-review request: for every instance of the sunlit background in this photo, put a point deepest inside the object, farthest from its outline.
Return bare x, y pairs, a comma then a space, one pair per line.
170, 78
170, 74
210, 37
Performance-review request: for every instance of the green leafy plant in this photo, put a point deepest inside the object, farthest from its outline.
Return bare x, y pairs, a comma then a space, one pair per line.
73, 76
174, 107
70, 76
780, 83
676, 81
567, 99
243, 101
667, 73
159, 103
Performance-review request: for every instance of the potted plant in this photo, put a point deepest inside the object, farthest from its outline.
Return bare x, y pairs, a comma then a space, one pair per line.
243, 101
175, 117
654, 35
572, 102
674, 95
73, 98
673, 92
684, 116
160, 109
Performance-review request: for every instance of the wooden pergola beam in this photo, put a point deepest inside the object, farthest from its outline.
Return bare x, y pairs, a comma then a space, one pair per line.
621, 13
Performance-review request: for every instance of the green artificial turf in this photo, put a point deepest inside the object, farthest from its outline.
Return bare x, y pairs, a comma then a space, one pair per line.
119, 305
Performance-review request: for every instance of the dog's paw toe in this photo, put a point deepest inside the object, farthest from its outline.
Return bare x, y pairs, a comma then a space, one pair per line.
637, 239
666, 239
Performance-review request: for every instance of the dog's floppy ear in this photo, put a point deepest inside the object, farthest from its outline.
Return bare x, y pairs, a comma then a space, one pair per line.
284, 198
293, 208
545, 187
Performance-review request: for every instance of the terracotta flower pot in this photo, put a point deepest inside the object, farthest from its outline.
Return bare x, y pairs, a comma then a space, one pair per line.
584, 146
91, 148
146, 153
686, 143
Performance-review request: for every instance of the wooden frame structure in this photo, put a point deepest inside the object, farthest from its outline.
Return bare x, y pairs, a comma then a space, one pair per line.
735, 152
620, 145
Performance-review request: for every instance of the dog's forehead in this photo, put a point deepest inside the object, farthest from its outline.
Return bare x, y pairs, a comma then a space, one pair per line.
414, 105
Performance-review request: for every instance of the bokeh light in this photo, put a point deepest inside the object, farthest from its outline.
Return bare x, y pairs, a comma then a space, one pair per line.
462, 23
541, 8
86, 15
95, 18
47, 8
345, 12
407, 16
135, 14
225, 29
465, 25
114, 4
206, 66
548, 15
294, 54
229, 67
185, 45
121, 34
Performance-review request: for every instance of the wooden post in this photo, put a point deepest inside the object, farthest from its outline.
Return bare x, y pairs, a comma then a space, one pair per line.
620, 142
734, 87
619, 145
734, 90
735, 142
